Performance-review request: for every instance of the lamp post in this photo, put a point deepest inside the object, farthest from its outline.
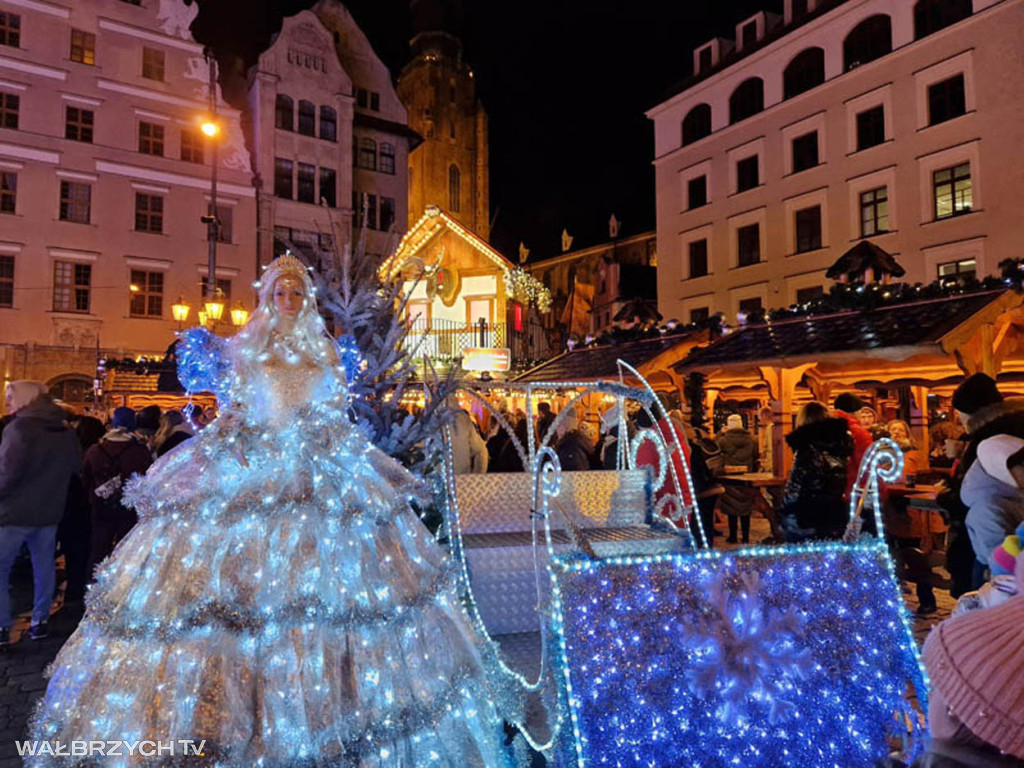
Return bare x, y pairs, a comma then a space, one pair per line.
239, 315
180, 310
211, 130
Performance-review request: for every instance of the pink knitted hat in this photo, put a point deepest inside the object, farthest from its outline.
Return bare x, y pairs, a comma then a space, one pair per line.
976, 661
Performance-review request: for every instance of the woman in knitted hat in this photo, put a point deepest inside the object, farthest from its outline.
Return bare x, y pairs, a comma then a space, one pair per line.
976, 706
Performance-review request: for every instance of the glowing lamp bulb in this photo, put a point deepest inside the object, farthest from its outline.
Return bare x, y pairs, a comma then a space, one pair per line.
210, 128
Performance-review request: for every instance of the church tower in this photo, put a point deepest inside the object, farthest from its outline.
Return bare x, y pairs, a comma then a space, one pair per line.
450, 168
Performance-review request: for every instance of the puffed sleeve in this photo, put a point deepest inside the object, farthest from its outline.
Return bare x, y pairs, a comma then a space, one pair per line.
203, 362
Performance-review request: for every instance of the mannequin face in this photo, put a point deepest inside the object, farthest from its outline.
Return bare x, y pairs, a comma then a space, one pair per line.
289, 296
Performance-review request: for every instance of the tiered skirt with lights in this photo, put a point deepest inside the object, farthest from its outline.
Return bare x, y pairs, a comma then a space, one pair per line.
288, 608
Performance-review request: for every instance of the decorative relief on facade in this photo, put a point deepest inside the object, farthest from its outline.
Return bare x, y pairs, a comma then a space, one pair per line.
75, 333
175, 18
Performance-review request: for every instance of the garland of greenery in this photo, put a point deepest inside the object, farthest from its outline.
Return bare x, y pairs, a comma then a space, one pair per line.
843, 297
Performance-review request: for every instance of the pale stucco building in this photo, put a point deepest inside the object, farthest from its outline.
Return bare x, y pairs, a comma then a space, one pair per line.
329, 137
104, 178
898, 121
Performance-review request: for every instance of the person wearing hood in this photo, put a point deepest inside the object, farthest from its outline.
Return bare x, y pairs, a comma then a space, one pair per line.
469, 451
107, 467
982, 502
847, 406
739, 449
813, 505
38, 457
574, 448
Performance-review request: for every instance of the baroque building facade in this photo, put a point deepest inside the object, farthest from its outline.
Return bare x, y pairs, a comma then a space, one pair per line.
330, 139
104, 180
838, 123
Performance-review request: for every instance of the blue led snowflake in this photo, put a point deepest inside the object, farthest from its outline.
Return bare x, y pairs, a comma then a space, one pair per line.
746, 655
790, 656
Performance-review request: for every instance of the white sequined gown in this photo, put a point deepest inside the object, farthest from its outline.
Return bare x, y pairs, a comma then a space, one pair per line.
279, 599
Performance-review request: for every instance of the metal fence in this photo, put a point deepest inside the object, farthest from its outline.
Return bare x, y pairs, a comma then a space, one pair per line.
445, 341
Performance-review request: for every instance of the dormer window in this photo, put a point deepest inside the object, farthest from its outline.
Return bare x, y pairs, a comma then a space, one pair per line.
748, 37
704, 59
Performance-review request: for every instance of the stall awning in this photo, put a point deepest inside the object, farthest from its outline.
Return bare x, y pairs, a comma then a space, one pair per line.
895, 333
594, 363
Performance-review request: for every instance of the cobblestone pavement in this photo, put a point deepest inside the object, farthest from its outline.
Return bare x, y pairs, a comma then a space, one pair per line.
22, 665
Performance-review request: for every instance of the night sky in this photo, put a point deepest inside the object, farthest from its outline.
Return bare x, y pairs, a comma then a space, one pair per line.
565, 83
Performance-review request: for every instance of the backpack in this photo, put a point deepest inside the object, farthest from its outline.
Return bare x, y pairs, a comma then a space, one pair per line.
713, 456
110, 481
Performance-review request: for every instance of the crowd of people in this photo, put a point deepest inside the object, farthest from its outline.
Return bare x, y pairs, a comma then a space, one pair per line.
61, 479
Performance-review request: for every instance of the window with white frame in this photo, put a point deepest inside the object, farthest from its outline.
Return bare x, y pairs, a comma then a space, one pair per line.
874, 211
964, 269
748, 245
72, 286
147, 290
951, 188
6, 280
807, 228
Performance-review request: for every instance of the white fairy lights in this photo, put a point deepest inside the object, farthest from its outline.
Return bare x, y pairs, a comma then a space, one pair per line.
279, 585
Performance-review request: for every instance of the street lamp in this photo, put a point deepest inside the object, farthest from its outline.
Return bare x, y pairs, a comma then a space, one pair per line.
239, 314
211, 130
214, 305
180, 310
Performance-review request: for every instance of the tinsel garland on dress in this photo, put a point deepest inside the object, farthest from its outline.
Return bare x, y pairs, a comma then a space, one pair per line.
279, 598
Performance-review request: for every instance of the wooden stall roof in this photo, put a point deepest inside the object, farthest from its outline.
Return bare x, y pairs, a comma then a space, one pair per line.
896, 332
594, 363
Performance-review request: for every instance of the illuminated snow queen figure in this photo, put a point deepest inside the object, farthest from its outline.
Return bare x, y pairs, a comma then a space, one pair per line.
278, 598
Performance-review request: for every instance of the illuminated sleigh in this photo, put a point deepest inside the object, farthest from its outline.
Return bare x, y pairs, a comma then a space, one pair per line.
793, 655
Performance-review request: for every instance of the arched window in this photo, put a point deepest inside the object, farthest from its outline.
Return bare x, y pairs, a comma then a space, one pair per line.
697, 124
328, 124
307, 118
71, 388
806, 70
746, 100
869, 40
454, 188
284, 109
387, 157
933, 15
367, 157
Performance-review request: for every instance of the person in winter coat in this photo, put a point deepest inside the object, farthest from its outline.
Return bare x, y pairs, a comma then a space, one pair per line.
545, 419
509, 459
976, 704
496, 439
608, 449
174, 430
574, 448
846, 407
980, 506
74, 533
38, 456
739, 449
705, 466
107, 467
813, 504
469, 451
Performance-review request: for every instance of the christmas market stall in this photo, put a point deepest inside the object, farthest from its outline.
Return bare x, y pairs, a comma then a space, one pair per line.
901, 347
653, 358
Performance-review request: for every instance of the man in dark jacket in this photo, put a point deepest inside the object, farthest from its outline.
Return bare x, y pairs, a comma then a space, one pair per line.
38, 456
544, 419
574, 448
107, 467
984, 414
